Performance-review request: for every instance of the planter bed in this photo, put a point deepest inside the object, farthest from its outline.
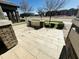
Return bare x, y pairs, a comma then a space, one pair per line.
29, 23
35, 24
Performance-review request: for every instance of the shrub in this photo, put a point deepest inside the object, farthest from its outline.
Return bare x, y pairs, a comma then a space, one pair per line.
52, 24
60, 26
49, 25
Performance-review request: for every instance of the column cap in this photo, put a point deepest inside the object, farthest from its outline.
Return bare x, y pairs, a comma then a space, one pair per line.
5, 22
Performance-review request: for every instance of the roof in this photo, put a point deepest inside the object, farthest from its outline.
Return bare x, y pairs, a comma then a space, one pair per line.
9, 3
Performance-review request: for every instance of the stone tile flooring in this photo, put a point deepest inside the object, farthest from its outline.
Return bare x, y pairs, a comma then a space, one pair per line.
36, 44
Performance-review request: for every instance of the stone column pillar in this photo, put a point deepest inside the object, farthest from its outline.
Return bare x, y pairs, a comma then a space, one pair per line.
7, 36
17, 16
13, 17
9, 15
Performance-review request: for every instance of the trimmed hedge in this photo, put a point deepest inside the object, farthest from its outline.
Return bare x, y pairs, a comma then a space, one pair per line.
49, 25
52, 24
60, 26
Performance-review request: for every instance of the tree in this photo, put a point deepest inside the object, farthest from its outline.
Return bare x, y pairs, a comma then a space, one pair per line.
24, 6
53, 5
41, 12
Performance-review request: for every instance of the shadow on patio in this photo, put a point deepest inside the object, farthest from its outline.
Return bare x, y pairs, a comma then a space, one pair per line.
63, 54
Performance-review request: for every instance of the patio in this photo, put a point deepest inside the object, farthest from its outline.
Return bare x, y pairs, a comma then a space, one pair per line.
36, 44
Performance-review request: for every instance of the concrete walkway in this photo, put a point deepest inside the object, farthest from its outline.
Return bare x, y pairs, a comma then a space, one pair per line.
36, 44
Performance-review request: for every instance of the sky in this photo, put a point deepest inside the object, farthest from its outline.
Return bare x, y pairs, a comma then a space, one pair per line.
40, 3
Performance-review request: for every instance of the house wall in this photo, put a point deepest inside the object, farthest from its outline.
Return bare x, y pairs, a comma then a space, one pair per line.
72, 41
